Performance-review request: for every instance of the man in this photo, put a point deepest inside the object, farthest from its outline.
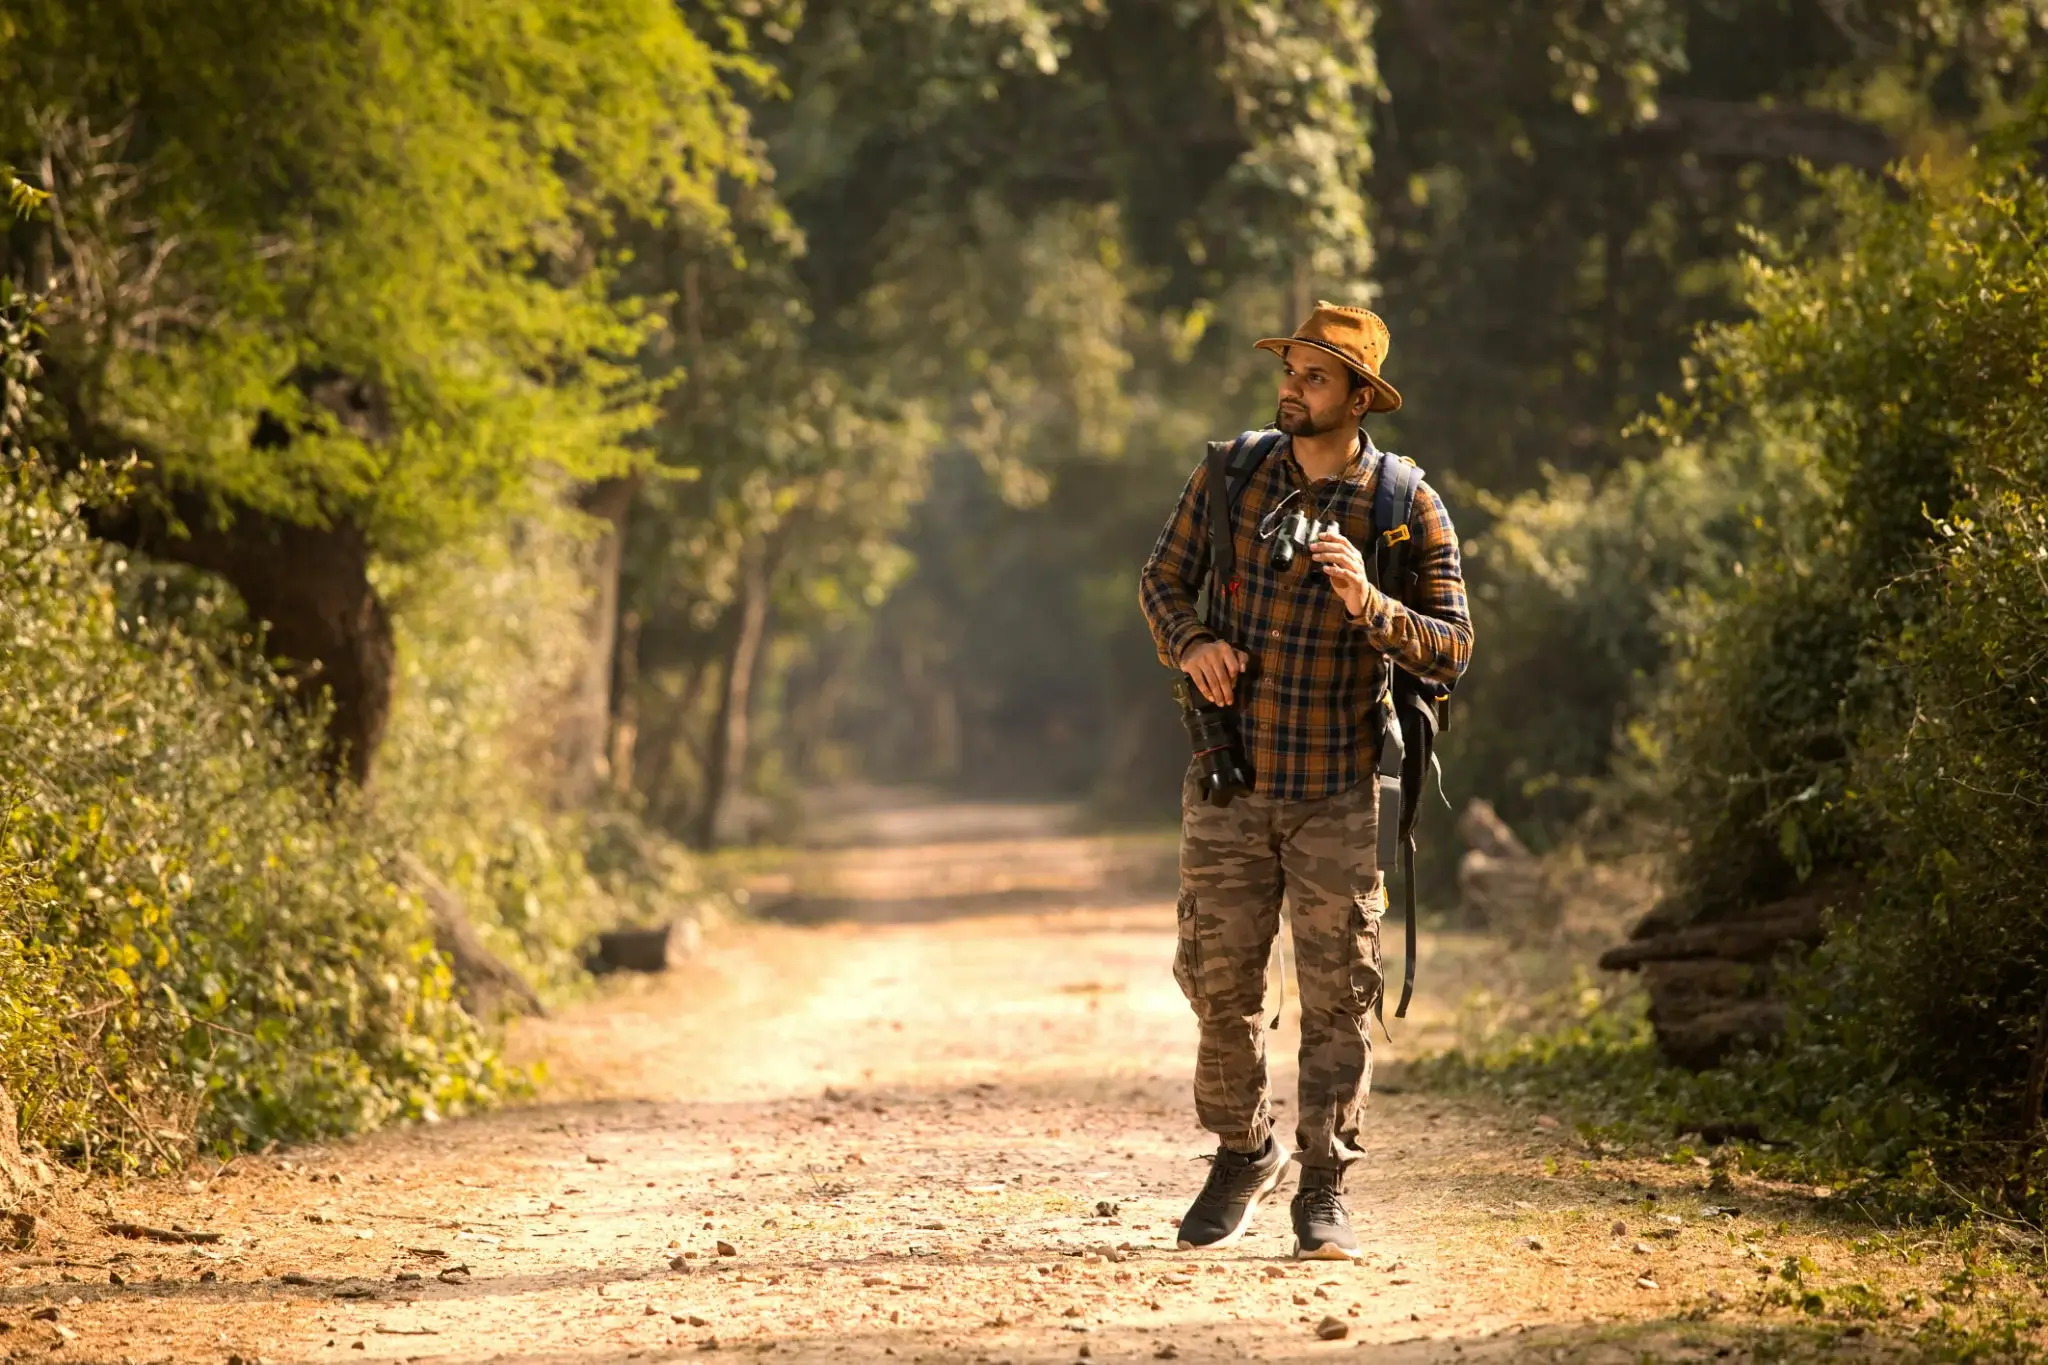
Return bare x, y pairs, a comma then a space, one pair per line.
1302, 657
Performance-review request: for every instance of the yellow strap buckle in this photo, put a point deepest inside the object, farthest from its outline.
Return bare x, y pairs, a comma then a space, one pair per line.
1395, 536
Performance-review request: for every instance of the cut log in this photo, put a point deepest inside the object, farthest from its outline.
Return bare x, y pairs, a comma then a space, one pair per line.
655, 949
1696, 985
1711, 977
1705, 1040
485, 984
1735, 941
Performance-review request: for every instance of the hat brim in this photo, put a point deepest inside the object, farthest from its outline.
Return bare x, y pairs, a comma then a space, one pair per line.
1385, 397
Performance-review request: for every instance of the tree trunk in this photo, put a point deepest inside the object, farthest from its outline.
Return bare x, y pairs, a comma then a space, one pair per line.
583, 728
309, 585
625, 736
728, 749
485, 984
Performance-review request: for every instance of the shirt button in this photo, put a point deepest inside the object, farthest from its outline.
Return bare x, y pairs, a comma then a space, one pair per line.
1274, 632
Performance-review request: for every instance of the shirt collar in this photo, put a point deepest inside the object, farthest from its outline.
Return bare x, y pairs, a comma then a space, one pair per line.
1364, 464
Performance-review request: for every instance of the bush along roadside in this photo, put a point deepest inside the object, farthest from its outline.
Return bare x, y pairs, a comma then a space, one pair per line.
205, 943
1861, 707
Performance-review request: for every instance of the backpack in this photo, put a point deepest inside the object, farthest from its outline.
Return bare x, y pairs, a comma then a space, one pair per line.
1419, 709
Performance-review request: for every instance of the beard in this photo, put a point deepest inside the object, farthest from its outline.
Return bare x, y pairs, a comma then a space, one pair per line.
1299, 421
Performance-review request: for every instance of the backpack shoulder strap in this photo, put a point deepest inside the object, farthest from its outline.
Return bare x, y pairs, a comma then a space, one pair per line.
1231, 466
1247, 453
1393, 530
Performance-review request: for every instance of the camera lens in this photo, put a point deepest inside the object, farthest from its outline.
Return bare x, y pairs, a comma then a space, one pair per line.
1221, 772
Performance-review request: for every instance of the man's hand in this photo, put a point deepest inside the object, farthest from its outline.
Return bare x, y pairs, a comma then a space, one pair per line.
1345, 568
1215, 667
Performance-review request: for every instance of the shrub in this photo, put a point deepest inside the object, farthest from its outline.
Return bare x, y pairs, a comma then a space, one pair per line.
1867, 699
232, 956
1577, 588
1954, 933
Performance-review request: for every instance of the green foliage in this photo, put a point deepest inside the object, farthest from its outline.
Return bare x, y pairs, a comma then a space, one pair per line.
1039, 235
490, 637
1578, 586
1954, 936
1864, 701
357, 259
204, 944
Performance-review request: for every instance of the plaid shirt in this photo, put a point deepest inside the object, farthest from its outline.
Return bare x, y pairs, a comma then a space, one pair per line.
1305, 707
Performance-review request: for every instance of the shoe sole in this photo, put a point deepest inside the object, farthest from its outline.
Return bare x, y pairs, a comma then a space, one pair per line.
1251, 1206
1326, 1252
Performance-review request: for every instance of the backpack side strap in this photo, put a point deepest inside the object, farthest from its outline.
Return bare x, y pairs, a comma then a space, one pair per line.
1408, 741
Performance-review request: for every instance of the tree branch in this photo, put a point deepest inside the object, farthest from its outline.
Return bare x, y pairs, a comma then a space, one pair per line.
1731, 131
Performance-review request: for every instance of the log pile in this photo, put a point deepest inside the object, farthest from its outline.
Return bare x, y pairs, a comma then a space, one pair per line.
1711, 978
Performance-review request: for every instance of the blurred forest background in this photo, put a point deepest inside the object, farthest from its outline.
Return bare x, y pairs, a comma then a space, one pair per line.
466, 461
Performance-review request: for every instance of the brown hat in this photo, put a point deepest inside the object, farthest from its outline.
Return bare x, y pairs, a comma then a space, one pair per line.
1353, 335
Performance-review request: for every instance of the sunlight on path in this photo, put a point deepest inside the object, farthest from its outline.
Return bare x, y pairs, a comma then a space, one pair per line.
959, 1138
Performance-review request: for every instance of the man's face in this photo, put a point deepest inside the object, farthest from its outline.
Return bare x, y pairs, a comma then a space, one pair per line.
1316, 393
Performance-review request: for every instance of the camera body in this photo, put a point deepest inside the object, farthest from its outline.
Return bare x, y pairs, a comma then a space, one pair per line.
1212, 734
1295, 534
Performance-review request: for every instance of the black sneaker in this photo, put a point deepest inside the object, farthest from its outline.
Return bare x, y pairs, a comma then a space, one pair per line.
1237, 1182
1322, 1230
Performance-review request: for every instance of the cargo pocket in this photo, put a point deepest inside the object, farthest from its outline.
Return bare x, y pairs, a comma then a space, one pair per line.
1187, 948
1362, 941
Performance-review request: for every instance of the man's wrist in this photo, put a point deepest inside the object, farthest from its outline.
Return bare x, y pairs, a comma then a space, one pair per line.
1373, 612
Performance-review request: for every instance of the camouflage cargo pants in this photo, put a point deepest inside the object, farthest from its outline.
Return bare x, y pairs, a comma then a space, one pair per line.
1236, 864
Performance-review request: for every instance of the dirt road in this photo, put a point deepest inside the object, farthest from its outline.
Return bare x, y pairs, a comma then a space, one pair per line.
901, 1133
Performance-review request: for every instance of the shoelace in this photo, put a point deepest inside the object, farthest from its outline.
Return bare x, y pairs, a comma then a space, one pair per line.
1322, 1204
1222, 1171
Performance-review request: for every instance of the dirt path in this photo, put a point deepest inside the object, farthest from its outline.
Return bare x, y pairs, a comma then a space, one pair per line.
896, 1135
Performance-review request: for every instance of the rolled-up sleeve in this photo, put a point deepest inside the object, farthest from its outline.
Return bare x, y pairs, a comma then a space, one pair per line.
1430, 637
1171, 581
